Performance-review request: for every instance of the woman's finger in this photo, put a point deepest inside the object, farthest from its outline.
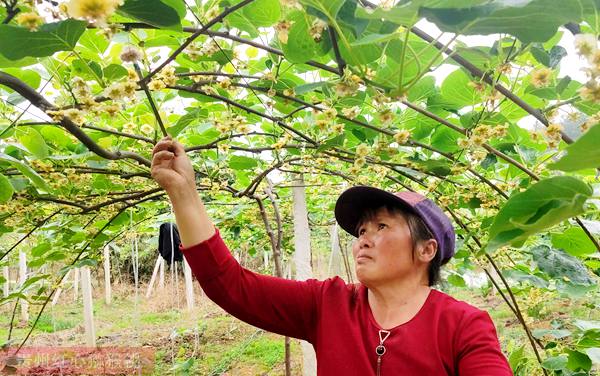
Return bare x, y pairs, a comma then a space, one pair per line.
164, 144
163, 155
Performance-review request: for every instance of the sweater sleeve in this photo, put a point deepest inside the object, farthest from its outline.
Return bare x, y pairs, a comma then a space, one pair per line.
278, 305
479, 351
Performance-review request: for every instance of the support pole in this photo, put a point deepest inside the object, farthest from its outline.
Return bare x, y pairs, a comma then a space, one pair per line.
153, 278
22, 279
189, 285
88, 307
107, 285
302, 259
59, 290
75, 284
6, 274
161, 274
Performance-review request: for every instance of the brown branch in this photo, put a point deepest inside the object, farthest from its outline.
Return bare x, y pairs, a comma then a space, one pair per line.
38, 225
11, 10
195, 35
479, 74
120, 199
40, 102
247, 109
336, 50
117, 133
144, 85
221, 74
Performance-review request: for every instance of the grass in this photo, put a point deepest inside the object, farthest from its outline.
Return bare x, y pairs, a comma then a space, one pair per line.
207, 341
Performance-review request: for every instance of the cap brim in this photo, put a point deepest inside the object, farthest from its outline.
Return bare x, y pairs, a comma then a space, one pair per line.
353, 202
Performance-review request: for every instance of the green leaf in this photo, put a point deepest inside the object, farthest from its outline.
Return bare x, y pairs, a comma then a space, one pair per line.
329, 8
192, 117
40, 249
578, 361
262, 13
114, 72
6, 189
240, 162
528, 20
554, 333
26, 171
557, 264
375, 38
7, 63
574, 241
154, 12
544, 204
30, 77
18, 42
584, 153
456, 280
555, 362
445, 139
300, 47
33, 142
456, 89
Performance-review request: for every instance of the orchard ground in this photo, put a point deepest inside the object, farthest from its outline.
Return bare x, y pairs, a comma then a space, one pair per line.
208, 341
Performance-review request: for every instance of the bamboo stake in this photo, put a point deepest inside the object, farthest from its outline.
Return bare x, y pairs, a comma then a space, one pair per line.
189, 285
22, 279
59, 290
153, 278
88, 307
107, 285
7, 281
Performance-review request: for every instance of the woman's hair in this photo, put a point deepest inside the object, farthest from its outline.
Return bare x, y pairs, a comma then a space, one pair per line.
419, 232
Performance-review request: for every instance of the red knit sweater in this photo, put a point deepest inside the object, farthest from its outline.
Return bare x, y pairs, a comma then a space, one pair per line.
446, 337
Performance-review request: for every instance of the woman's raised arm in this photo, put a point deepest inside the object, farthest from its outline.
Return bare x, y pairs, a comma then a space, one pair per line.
173, 171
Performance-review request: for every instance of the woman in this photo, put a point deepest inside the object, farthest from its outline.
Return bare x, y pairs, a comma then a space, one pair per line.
391, 323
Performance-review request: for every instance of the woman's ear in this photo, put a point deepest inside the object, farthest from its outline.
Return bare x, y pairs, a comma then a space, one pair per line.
427, 250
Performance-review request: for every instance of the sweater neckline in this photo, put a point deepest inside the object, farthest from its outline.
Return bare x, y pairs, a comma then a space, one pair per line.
425, 305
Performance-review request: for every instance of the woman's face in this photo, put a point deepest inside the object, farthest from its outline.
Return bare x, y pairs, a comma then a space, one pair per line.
383, 251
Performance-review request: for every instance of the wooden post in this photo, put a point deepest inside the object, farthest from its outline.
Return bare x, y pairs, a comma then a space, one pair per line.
107, 285
6, 274
161, 274
153, 278
75, 284
189, 285
335, 258
59, 289
22, 279
88, 307
302, 259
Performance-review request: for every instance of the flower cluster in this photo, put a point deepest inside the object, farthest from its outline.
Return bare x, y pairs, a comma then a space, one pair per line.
130, 54
351, 112
30, 20
166, 77
282, 142
317, 28
292, 4
482, 134
587, 47
93, 10
402, 136
554, 133
194, 50
283, 28
541, 77
231, 121
121, 90
348, 84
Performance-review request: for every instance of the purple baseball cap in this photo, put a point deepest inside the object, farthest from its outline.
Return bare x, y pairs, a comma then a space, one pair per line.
354, 201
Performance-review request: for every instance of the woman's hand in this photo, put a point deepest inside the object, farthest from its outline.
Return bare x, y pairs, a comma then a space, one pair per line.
172, 168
